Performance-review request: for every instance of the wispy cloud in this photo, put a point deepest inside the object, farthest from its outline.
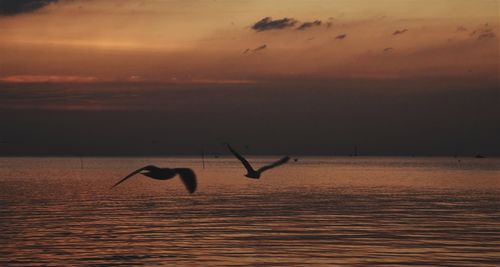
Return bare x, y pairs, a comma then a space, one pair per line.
486, 35
398, 32
483, 32
306, 25
341, 37
262, 47
47, 79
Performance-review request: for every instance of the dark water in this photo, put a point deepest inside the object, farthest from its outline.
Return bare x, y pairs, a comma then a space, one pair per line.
317, 212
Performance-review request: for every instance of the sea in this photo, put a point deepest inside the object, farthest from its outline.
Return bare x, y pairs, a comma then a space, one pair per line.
316, 211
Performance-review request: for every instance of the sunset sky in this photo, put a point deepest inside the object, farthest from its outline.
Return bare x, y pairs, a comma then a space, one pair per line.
107, 58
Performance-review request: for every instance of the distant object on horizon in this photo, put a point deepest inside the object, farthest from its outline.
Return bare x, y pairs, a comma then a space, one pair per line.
187, 175
479, 156
295, 159
81, 162
255, 174
355, 152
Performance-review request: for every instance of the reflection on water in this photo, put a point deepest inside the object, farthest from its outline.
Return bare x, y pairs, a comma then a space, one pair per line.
319, 211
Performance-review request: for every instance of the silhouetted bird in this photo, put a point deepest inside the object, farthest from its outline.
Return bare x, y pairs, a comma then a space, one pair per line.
255, 174
188, 177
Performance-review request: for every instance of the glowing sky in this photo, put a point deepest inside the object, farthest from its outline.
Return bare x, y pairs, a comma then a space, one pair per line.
112, 77
204, 40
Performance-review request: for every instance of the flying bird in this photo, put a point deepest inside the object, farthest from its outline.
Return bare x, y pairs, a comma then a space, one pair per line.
255, 174
388, 49
187, 175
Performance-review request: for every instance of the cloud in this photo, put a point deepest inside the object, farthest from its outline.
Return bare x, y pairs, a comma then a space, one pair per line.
48, 79
483, 33
341, 37
307, 25
268, 23
262, 47
397, 32
486, 35
15, 7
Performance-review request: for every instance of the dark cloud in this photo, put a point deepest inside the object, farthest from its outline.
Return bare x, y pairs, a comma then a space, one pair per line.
307, 25
397, 32
483, 33
262, 47
14, 7
486, 35
384, 117
268, 23
341, 37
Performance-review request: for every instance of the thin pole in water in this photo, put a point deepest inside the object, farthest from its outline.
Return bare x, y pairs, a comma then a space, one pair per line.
81, 162
203, 157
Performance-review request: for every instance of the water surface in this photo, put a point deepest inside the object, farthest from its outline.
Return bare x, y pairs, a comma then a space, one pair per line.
317, 212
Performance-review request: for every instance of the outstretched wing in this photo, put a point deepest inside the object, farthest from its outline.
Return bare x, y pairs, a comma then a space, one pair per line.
188, 178
242, 159
276, 164
149, 167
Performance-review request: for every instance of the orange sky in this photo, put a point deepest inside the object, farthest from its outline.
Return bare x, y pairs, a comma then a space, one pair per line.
189, 41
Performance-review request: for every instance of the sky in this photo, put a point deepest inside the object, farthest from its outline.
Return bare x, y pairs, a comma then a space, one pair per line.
315, 77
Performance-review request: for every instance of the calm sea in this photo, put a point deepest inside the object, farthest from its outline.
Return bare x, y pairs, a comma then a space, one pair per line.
317, 212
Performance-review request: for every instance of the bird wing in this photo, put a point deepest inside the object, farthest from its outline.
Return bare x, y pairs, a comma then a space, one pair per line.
149, 167
188, 178
276, 164
241, 158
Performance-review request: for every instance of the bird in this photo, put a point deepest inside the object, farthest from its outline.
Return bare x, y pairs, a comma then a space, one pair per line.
187, 175
255, 174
